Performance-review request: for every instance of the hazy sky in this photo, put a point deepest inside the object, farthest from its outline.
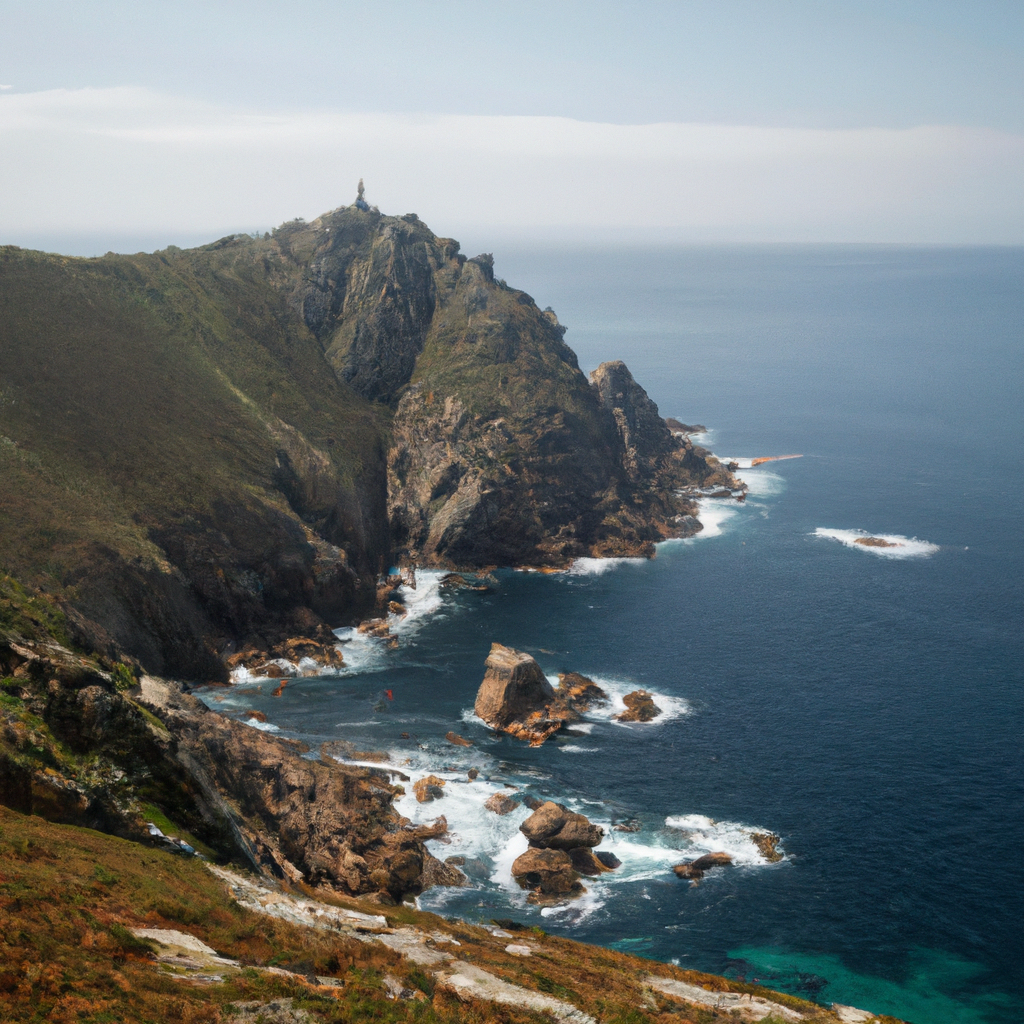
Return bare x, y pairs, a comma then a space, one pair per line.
725, 120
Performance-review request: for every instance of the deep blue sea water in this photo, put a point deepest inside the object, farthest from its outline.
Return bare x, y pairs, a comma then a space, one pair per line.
868, 709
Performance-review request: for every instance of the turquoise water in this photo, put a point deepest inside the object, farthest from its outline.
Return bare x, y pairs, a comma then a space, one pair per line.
867, 708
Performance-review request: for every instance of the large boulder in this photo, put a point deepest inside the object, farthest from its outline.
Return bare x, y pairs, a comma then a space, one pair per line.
552, 827
514, 695
548, 872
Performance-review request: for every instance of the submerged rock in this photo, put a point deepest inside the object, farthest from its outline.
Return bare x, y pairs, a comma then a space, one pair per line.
640, 707
501, 803
695, 868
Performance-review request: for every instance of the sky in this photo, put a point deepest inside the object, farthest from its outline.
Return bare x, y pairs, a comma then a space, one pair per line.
131, 124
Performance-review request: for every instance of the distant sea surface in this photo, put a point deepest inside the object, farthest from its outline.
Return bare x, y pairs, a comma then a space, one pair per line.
865, 704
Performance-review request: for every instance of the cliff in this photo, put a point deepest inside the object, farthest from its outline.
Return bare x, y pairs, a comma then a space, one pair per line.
223, 447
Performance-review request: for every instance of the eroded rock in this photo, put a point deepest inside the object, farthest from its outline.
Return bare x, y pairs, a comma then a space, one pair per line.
640, 707
549, 872
695, 869
767, 843
514, 695
553, 827
501, 803
428, 788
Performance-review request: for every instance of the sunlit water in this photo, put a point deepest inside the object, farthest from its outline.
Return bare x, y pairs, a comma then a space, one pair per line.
864, 702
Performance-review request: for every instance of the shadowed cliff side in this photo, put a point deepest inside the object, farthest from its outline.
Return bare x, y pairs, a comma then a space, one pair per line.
179, 464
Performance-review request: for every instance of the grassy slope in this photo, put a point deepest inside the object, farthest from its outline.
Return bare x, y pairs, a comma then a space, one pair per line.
138, 397
66, 895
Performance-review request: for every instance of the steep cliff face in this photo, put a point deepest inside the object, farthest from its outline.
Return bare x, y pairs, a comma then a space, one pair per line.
222, 447
503, 452
367, 292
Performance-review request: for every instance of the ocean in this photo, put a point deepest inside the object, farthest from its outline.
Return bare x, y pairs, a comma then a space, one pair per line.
864, 703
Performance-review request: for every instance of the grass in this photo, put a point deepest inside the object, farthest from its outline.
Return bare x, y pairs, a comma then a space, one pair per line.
69, 897
145, 398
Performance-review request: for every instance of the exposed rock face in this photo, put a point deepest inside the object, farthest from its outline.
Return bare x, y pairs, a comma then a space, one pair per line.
547, 873
332, 823
457, 740
341, 394
513, 689
516, 697
552, 827
645, 435
640, 707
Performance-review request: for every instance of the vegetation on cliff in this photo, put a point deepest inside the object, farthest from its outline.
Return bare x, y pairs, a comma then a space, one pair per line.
71, 900
222, 447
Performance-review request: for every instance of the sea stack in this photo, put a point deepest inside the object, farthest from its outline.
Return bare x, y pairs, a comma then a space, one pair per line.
514, 695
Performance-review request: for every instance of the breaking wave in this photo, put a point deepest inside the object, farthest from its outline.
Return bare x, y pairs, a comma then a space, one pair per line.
599, 566
701, 835
884, 545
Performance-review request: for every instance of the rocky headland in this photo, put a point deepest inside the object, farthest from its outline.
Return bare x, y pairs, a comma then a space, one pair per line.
209, 460
208, 457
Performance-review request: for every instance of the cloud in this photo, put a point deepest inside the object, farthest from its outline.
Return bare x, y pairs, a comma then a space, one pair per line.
126, 158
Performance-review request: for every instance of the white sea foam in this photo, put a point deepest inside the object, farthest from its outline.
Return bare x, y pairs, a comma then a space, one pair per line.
763, 483
903, 547
574, 748
478, 833
713, 513
700, 835
671, 707
364, 653
599, 566
694, 821
262, 726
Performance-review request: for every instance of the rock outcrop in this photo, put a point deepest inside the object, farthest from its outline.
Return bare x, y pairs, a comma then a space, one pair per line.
768, 844
547, 873
553, 827
515, 696
318, 820
428, 788
695, 869
640, 707
561, 849
342, 394
501, 803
